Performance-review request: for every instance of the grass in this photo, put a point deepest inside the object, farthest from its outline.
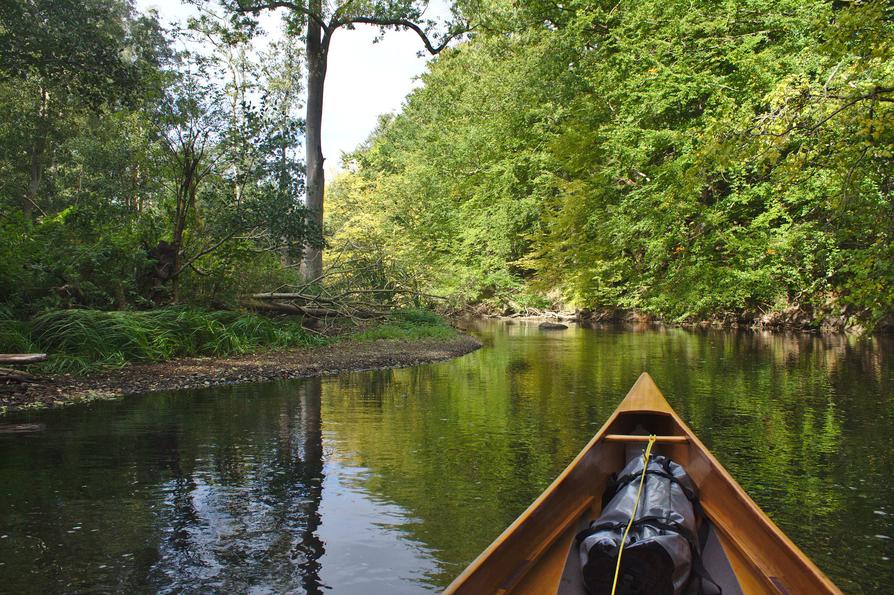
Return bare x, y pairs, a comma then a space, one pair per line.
84, 341
14, 335
81, 341
408, 324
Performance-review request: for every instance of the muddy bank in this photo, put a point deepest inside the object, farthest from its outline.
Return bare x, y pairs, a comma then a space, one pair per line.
59, 390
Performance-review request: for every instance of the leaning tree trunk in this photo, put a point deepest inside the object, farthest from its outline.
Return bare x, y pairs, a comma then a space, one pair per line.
317, 50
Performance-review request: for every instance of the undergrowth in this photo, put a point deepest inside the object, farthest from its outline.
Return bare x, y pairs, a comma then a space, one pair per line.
81, 341
84, 341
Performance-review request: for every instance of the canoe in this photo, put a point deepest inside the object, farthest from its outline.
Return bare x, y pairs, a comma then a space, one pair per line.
744, 552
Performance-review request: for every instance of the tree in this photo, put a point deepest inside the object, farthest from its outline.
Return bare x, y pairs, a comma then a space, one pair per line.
66, 52
281, 69
229, 126
191, 119
681, 159
131, 172
320, 23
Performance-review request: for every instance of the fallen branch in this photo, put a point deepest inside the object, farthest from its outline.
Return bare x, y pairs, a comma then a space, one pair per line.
11, 374
333, 312
283, 296
357, 285
310, 311
22, 358
272, 307
344, 294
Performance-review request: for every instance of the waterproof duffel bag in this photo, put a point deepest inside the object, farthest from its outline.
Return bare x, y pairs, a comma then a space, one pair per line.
661, 556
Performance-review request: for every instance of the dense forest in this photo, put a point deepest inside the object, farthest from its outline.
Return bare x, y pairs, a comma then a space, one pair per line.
680, 160
683, 160
140, 166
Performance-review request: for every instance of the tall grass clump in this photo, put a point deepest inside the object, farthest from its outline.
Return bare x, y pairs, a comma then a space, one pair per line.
79, 341
15, 336
409, 324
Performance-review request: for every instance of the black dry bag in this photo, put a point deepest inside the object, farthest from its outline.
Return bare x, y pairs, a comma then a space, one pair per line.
662, 546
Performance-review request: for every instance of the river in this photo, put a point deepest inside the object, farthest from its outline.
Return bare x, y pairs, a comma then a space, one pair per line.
392, 481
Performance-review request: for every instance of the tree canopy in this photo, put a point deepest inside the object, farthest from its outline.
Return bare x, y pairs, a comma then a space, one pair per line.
319, 21
140, 166
681, 160
684, 160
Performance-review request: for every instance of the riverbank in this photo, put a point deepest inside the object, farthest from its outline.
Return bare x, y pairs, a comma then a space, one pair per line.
789, 320
56, 390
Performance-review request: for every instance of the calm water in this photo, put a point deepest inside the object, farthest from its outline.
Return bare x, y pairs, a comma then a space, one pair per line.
392, 481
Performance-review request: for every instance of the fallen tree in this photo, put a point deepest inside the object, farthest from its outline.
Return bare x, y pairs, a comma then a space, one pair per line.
286, 305
356, 285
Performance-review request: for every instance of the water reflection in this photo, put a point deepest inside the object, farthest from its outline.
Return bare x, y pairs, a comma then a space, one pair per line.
392, 481
801, 421
178, 490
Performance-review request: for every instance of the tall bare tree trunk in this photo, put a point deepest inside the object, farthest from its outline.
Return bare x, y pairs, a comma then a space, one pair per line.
317, 57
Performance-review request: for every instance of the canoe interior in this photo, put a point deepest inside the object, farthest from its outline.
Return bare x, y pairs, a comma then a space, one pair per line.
534, 553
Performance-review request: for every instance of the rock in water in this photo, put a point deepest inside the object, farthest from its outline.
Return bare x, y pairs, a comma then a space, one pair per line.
553, 326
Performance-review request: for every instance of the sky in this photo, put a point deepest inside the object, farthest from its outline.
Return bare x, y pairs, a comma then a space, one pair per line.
364, 79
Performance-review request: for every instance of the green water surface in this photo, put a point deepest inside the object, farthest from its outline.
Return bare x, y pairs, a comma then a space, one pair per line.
392, 481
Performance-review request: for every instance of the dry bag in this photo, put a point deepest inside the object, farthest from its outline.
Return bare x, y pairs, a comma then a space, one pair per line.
662, 547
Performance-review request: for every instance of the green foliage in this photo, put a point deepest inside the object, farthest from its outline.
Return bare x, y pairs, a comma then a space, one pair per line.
680, 158
112, 145
451, 185
408, 324
75, 257
684, 159
83, 340
79, 45
417, 317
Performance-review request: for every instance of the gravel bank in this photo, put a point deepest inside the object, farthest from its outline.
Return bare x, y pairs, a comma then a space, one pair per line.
59, 390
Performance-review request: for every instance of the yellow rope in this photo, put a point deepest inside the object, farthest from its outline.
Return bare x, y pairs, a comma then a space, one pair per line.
635, 506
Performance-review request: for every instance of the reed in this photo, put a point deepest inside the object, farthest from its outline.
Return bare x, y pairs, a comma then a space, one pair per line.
84, 341
14, 335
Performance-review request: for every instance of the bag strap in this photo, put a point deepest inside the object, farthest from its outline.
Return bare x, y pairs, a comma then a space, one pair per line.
616, 483
659, 523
